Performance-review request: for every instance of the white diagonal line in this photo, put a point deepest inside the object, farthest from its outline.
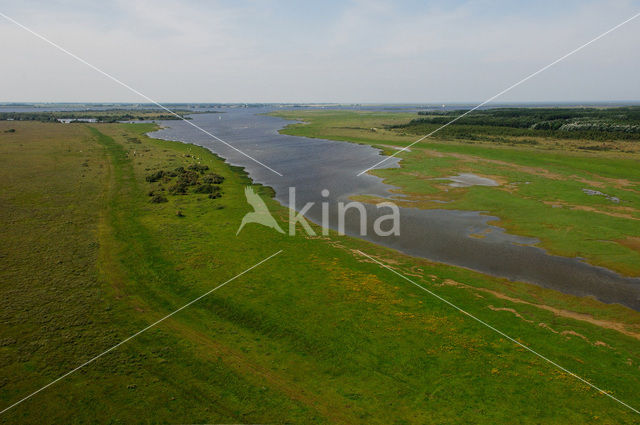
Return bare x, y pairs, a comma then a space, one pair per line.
136, 334
504, 91
500, 332
111, 77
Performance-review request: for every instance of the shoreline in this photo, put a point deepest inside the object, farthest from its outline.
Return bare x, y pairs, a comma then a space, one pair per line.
417, 256
451, 149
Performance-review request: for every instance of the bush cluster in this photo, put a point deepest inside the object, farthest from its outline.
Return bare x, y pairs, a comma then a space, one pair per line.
621, 123
193, 176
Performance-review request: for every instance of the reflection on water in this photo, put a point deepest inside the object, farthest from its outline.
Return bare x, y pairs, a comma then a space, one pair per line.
460, 238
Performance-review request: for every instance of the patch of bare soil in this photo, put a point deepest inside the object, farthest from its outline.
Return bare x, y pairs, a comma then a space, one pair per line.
630, 242
510, 310
609, 213
606, 324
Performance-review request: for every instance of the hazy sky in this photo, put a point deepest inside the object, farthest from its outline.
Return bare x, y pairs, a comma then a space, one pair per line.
323, 51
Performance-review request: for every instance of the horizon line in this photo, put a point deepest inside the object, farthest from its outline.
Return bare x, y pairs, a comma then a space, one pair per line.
350, 103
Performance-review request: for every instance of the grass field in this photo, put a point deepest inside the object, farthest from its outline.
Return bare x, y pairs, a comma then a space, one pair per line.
542, 180
318, 334
105, 115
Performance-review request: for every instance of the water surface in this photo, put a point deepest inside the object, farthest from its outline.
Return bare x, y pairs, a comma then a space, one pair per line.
311, 165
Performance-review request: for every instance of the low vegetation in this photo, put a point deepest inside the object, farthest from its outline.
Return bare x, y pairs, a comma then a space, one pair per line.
575, 123
106, 116
193, 176
318, 334
543, 182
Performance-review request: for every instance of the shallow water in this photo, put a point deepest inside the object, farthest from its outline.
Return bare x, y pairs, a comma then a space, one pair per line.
467, 180
311, 165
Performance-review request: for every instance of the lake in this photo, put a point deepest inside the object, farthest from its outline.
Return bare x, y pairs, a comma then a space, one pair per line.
312, 165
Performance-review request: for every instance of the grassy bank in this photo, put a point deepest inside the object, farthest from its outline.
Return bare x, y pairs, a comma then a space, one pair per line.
544, 182
318, 334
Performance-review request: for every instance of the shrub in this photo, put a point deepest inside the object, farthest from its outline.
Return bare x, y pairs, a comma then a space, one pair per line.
158, 199
215, 195
155, 176
178, 189
212, 178
198, 168
189, 178
207, 188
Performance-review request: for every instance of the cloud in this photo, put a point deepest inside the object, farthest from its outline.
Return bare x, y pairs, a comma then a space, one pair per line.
362, 51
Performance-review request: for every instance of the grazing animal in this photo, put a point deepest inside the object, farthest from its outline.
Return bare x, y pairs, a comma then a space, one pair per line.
260, 214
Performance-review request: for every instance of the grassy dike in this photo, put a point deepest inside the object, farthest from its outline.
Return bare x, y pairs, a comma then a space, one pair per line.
540, 192
318, 334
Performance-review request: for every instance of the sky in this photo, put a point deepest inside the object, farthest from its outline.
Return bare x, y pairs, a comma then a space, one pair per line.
355, 51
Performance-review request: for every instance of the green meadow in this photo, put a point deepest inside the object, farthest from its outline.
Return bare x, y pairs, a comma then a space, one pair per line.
543, 176
319, 333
